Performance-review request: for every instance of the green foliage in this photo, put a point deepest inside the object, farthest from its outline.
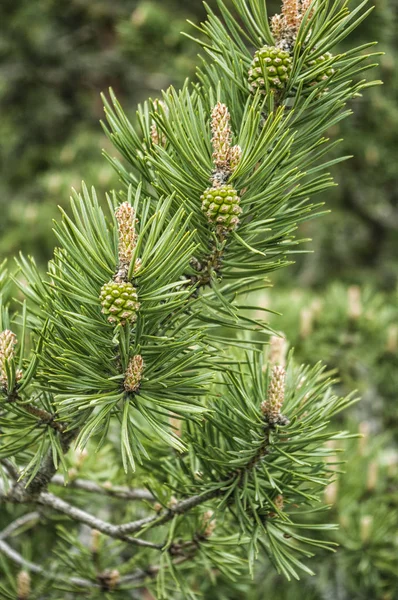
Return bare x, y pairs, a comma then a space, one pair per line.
200, 449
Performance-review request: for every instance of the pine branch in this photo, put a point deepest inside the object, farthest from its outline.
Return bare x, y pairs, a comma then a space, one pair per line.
38, 570
31, 517
189, 503
124, 493
9, 467
81, 516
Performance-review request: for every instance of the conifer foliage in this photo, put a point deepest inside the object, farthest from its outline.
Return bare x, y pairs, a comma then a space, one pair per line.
136, 395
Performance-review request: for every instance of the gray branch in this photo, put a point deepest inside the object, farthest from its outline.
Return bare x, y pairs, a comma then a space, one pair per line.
77, 514
123, 493
179, 509
9, 467
15, 525
34, 568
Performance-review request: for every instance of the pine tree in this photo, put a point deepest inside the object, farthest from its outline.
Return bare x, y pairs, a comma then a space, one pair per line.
137, 397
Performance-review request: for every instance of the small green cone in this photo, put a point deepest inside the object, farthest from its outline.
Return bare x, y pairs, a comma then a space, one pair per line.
221, 206
119, 301
275, 64
326, 73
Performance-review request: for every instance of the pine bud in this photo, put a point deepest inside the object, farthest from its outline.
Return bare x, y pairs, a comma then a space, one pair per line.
119, 300
109, 579
23, 585
95, 541
291, 13
306, 322
8, 341
278, 26
235, 157
354, 302
279, 502
222, 136
271, 407
134, 373
392, 339
158, 139
209, 524
366, 525
271, 63
331, 492
373, 476
125, 216
221, 206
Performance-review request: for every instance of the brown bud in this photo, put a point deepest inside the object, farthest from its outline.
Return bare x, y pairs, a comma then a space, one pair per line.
271, 407
8, 341
125, 217
23, 585
306, 322
209, 524
392, 339
291, 12
373, 473
133, 377
366, 525
279, 502
354, 302
109, 579
331, 492
95, 541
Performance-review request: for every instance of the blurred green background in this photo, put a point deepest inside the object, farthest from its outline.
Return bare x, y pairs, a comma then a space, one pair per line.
339, 302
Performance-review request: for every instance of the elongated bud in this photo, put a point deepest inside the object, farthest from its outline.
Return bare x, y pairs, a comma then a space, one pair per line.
222, 136
306, 322
158, 139
134, 373
125, 216
23, 585
331, 492
392, 339
235, 156
209, 523
366, 526
279, 502
305, 4
278, 26
95, 541
271, 407
373, 476
225, 156
8, 341
291, 13
109, 579
285, 26
354, 302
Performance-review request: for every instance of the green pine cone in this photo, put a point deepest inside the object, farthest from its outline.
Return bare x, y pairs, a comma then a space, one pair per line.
119, 301
325, 73
221, 206
275, 64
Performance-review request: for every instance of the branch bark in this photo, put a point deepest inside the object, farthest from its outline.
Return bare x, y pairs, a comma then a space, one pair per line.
123, 493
